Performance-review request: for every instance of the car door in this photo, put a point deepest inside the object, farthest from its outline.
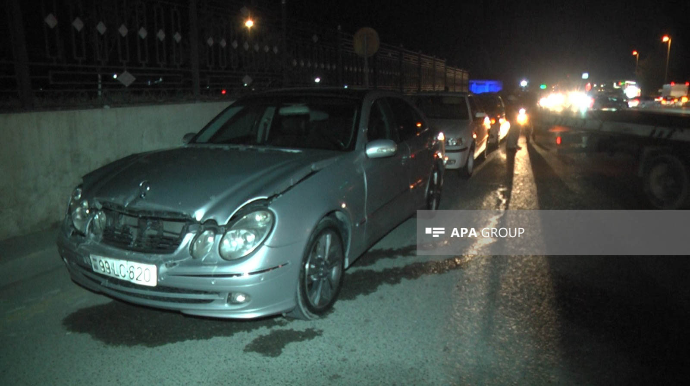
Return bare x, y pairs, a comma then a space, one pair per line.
387, 188
479, 129
416, 134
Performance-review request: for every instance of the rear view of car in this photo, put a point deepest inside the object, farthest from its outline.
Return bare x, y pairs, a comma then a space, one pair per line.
496, 111
464, 127
449, 114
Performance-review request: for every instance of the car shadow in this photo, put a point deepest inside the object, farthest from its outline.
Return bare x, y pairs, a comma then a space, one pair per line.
122, 324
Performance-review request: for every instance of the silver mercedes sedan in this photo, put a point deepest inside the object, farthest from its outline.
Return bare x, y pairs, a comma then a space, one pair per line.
261, 211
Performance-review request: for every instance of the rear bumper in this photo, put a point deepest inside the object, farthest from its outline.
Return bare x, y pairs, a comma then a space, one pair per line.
457, 157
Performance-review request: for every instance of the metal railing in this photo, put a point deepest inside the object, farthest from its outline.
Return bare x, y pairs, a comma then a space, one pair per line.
93, 53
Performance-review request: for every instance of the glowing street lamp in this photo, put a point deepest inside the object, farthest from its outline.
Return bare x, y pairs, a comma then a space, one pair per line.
667, 39
637, 60
249, 23
523, 83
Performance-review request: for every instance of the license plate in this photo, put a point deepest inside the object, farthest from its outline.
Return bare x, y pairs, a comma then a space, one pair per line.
142, 274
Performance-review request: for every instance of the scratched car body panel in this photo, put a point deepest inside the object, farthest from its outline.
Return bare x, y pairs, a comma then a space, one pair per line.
261, 211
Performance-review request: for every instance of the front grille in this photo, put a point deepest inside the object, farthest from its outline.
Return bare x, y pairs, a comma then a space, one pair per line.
142, 232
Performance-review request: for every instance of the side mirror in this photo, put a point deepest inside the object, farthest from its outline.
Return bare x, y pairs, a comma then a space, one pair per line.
480, 115
381, 148
188, 137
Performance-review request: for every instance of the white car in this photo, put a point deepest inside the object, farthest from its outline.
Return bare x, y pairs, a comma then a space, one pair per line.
464, 126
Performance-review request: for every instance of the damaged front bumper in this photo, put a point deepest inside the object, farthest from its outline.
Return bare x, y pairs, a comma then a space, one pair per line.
265, 282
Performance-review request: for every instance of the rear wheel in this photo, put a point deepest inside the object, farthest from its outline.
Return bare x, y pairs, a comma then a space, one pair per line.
321, 272
666, 182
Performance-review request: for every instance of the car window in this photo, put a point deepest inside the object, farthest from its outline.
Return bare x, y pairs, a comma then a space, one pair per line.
380, 122
491, 104
300, 122
443, 107
407, 120
473, 107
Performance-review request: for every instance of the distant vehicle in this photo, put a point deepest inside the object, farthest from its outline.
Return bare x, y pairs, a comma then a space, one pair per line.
674, 90
643, 102
609, 102
496, 111
463, 124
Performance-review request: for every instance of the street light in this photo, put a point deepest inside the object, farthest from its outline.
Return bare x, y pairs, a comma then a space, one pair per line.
667, 39
637, 60
249, 23
523, 83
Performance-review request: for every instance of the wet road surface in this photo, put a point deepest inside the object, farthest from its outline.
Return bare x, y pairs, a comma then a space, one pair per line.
401, 318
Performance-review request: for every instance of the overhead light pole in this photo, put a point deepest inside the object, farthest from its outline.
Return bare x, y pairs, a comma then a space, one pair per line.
667, 39
637, 60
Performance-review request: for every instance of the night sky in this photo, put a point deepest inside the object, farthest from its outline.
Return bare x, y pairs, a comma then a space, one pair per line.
543, 41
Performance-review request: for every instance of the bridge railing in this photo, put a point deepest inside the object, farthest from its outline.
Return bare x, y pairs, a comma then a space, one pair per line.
57, 54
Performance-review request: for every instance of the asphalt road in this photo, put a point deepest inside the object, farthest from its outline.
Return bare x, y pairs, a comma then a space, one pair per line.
401, 318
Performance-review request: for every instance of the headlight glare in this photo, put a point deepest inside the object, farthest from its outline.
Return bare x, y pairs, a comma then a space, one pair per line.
202, 244
245, 235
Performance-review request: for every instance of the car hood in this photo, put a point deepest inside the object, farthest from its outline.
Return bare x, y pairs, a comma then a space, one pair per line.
450, 127
202, 182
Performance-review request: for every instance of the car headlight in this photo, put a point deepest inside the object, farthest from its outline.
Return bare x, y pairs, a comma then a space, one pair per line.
246, 234
78, 210
98, 223
203, 243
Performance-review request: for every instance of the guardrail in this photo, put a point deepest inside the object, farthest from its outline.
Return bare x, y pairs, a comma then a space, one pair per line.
91, 53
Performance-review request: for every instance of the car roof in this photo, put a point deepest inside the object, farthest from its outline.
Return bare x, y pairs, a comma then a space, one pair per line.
440, 93
355, 93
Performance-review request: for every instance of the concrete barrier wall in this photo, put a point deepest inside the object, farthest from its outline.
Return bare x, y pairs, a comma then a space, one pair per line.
44, 154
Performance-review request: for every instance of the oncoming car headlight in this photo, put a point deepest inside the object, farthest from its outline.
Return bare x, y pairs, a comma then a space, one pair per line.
246, 234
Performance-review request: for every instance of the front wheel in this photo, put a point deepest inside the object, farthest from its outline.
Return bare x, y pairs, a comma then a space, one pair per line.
321, 272
666, 182
433, 189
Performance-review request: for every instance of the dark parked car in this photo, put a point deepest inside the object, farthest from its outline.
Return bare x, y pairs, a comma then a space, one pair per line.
609, 102
261, 211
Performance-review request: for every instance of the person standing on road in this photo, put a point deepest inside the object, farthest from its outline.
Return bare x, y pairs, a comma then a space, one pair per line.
513, 136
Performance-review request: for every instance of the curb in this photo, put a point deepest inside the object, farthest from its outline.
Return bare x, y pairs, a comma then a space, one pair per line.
27, 256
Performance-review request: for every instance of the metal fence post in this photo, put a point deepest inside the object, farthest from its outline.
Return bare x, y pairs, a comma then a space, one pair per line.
284, 44
194, 48
445, 76
376, 70
341, 81
21, 57
419, 71
401, 73
433, 70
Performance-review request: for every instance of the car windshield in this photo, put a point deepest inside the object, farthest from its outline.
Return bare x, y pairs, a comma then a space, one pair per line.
491, 104
443, 107
297, 122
